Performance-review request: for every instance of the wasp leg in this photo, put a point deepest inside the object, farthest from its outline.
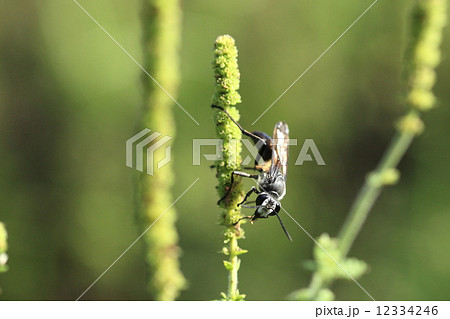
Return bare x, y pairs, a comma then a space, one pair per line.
244, 131
249, 206
252, 190
245, 217
243, 174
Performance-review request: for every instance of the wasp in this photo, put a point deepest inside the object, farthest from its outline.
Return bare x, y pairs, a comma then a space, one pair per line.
271, 163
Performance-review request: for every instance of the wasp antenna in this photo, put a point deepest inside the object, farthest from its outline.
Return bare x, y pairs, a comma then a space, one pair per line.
284, 228
244, 131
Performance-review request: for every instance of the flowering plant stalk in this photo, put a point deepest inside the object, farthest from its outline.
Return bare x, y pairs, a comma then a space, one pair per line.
227, 75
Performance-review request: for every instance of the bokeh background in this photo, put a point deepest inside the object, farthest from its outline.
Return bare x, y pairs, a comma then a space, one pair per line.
70, 98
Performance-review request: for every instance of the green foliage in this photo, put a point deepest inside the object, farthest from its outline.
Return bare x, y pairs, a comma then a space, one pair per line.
328, 268
161, 28
327, 256
423, 56
324, 294
227, 76
226, 73
71, 97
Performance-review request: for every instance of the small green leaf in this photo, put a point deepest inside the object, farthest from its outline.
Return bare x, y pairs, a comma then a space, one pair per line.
354, 267
240, 297
325, 295
240, 252
300, 294
305, 294
228, 265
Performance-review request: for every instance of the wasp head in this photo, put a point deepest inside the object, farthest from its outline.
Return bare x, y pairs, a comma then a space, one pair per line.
267, 205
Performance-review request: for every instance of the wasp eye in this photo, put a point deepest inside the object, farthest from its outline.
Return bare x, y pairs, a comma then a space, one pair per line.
277, 208
261, 198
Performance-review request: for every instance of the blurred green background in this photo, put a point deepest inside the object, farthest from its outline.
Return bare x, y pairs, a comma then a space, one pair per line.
70, 98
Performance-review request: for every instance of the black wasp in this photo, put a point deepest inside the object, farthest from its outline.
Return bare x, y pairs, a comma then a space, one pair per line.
271, 163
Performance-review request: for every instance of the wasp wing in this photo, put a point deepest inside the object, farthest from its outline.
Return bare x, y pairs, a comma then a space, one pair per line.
280, 147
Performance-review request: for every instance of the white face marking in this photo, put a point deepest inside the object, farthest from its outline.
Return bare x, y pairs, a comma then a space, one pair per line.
267, 207
263, 212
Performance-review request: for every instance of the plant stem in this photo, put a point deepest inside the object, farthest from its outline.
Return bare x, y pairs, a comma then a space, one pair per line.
233, 275
371, 190
226, 73
161, 22
422, 57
